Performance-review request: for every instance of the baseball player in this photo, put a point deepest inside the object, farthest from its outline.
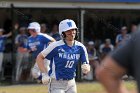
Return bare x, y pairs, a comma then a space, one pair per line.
64, 56
2, 46
36, 43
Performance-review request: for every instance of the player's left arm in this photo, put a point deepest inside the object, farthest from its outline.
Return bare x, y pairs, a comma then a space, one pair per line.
85, 61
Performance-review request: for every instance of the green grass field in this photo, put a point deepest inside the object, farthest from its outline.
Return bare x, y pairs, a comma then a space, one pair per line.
86, 87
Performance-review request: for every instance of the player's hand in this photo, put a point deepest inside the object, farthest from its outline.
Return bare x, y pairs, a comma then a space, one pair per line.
85, 68
45, 79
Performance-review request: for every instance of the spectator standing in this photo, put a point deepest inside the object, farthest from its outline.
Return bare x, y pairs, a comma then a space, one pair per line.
44, 28
105, 48
22, 56
93, 57
123, 37
2, 46
133, 28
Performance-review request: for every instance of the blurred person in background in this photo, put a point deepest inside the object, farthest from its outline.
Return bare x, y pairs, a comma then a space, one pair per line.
123, 37
93, 60
2, 47
133, 28
92, 53
36, 43
22, 56
44, 28
105, 48
54, 32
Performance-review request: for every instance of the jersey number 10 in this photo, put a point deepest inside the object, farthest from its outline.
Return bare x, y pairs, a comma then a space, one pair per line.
69, 64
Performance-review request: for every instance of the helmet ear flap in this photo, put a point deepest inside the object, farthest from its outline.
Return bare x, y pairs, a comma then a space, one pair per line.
63, 35
77, 35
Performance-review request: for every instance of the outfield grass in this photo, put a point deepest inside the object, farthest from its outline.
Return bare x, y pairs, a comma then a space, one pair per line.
95, 87
91, 87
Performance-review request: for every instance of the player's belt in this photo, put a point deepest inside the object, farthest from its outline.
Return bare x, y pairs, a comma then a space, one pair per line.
63, 79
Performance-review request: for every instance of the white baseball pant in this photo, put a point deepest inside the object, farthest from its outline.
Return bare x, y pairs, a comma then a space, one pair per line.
62, 86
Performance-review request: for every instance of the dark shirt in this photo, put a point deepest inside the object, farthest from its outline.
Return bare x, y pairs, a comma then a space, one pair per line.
106, 50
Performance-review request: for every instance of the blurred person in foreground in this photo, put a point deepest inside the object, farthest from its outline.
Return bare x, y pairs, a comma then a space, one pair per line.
64, 56
123, 60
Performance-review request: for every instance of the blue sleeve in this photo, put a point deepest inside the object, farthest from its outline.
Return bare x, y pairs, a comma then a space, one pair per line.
46, 40
84, 56
50, 51
51, 54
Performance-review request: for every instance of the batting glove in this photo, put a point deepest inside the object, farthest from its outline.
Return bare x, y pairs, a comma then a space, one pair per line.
45, 79
85, 68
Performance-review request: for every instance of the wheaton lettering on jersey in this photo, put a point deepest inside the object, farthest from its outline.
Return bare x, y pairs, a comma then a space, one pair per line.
69, 56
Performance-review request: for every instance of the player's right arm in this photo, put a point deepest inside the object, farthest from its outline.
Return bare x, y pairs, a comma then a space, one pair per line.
84, 60
48, 53
40, 61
